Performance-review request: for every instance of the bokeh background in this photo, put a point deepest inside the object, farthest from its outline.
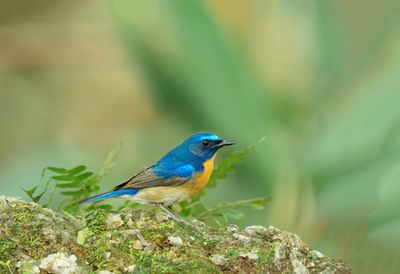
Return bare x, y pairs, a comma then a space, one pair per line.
319, 79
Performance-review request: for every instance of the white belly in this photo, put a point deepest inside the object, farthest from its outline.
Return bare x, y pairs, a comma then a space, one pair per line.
161, 194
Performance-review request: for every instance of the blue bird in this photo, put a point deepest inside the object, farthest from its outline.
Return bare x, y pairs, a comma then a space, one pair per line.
180, 174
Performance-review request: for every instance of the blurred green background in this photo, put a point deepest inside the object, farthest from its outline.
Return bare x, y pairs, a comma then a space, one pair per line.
319, 79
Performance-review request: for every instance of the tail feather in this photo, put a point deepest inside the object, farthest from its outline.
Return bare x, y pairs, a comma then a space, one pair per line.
109, 194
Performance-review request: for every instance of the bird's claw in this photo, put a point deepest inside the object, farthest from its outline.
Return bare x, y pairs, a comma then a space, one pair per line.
176, 218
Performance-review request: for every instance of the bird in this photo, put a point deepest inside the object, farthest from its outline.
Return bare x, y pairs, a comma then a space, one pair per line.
180, 174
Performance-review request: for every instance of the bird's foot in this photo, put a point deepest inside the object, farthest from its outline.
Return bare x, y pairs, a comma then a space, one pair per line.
173, 215
176, 218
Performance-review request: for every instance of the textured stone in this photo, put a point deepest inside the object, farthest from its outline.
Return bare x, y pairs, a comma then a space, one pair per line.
36, 239
175, 240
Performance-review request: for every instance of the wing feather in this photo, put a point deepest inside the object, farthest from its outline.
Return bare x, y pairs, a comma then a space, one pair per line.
153, 176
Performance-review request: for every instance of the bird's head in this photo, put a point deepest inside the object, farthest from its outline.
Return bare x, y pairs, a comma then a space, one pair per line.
204, 145
196, 149
200, 147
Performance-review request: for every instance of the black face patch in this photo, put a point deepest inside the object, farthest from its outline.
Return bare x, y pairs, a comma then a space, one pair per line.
206, 143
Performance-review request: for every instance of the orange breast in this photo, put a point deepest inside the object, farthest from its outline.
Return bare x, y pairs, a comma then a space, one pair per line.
200, 180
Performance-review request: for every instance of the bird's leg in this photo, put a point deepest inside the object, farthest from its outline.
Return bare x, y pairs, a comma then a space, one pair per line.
167, 212
174, 212
177, 215
173, 215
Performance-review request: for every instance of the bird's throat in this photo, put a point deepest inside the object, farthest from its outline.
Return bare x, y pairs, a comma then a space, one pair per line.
209, 166
202, 179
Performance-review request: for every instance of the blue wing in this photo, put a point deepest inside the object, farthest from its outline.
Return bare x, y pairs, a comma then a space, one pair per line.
169, 170
161, 174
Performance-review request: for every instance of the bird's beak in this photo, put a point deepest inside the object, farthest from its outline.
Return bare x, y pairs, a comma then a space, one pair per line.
223, 143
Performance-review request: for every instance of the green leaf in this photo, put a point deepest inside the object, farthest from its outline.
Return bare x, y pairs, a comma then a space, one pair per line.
105, 206
233, 214
224, 206
133, 205
84, 176
69, 185
227, 165
63, 178
198, 209
30, 192
92, 207
76, 170
217, 221
92, 181
109, 162
253, 206
197, 197
37, 198
72, 193
185, 212
184, 204
57, 170
50, 196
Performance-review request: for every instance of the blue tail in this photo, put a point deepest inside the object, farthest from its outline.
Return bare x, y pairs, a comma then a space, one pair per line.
109, 195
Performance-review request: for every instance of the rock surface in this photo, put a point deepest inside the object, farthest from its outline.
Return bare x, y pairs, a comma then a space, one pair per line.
36, 239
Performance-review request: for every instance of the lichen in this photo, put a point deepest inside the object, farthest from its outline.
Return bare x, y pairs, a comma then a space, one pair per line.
60, 263
135, 240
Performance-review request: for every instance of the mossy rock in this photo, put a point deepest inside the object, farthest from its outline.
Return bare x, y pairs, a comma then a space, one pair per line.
35, 239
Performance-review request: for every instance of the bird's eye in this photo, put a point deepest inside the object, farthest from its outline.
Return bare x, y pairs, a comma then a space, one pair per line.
205, 143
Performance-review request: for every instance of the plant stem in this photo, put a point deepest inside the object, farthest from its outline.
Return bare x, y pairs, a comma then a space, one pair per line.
228, 205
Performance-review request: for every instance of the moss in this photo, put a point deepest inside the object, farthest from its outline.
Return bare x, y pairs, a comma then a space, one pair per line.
140, 239
232, 252
265, 255
96, 222
23, 232
311, 255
